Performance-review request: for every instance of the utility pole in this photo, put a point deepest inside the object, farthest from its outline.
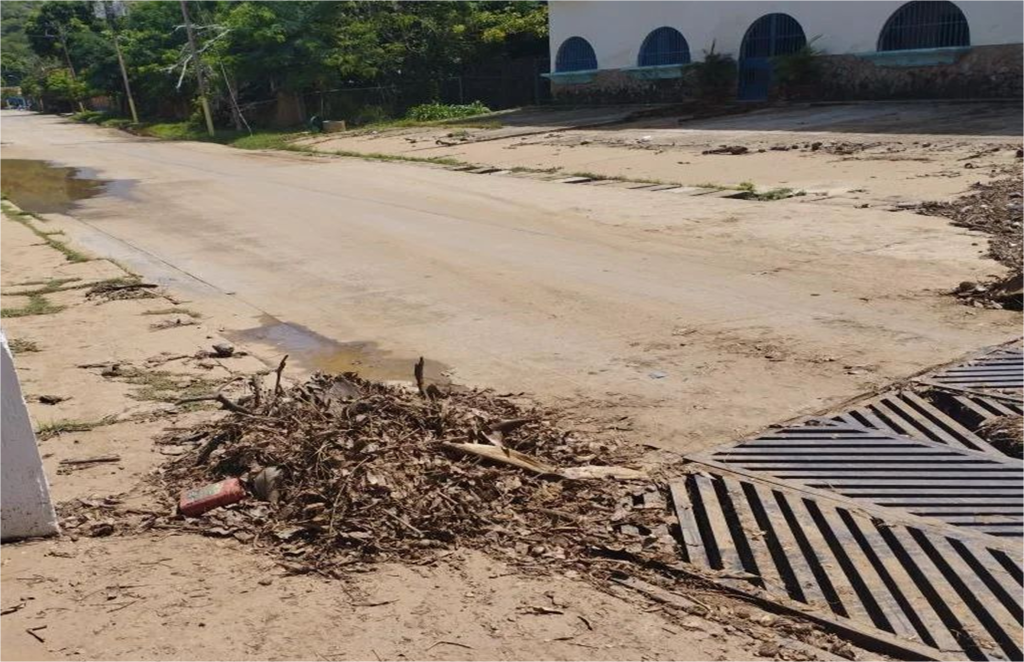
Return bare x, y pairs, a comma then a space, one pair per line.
110, 13
63, 37
124, 77
199, 68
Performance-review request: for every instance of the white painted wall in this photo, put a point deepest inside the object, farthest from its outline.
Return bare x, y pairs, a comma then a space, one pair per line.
616, 28
25, 507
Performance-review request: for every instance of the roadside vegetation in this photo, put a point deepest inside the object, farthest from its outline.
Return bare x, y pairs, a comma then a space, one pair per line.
22, 346
266, 64
25, 218
37, 304
749, 191
65, 425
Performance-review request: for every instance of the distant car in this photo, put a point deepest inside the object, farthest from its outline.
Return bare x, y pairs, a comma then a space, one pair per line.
17, 103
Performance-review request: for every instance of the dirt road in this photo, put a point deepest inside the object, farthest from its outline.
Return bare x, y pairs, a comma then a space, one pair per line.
697, 318
162, 594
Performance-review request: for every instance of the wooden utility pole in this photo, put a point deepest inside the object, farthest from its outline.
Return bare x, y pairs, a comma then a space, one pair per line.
63, 37
124, 77
199, 69
110, 13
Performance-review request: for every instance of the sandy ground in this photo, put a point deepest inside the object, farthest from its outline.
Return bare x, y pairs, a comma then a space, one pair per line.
168, 595
684, 321
678, 321
855, 154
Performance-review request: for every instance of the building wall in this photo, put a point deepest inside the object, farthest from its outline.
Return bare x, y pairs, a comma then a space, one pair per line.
616, 28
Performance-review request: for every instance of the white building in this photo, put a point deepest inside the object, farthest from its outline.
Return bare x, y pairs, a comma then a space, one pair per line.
648, 41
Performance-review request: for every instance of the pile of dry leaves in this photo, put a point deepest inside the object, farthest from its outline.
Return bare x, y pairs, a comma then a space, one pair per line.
1006, 433
995, 208
343, 469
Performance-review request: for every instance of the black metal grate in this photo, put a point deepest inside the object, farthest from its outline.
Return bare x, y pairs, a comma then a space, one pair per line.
910, 414
925, 24
978, 491
771, 35
664, 46
981, 408
953, 594
575, 54
999, 371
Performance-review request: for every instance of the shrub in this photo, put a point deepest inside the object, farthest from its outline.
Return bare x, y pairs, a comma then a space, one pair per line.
89, 116
715, 76
797, 70
116, 123
435, 112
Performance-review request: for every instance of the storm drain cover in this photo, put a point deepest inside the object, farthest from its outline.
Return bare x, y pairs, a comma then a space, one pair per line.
911, 414
894, 515
980, 492
999, 371
933, 592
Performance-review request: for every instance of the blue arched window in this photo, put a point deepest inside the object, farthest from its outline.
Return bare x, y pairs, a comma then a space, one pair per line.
771, 35
575, 54
664, 46
925, 24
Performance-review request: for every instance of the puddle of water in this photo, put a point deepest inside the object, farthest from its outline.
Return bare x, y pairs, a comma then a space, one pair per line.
317, 352
42, 188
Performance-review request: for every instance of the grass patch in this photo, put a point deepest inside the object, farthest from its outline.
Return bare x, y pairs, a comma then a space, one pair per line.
712, 185
37, 305
240, 139
540, 171
48, 430
90, 116
47, 287
377, 156
21, 346
434, 112
267, 140
175, 311
22, 217
748, 191
164, 386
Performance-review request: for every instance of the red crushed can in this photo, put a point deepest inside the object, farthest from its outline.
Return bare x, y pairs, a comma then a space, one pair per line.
198, 500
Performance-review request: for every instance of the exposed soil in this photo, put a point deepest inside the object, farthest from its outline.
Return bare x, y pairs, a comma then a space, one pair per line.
874, 155
128, 579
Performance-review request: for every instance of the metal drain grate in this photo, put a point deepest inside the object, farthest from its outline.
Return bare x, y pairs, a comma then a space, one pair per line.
956, 595
978, 491
909, 414
998, 370
982, 408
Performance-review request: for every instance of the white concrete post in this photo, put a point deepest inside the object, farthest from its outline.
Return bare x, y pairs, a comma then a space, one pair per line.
25, 506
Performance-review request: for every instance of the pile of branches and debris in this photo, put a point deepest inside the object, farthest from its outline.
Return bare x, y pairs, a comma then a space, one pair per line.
996, 208
339, 469
1006, 433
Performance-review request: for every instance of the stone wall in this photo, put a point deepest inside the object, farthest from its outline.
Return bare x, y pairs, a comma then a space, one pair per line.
616, 86
979, 72
993, 72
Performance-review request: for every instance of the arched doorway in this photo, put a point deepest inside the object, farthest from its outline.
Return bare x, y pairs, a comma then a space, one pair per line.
664, 46
767, 37
925, 24
575, 54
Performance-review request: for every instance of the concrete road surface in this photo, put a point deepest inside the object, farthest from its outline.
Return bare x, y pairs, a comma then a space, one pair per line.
698, 319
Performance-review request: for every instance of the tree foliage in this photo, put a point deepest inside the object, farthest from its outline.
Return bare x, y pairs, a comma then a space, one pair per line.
254, 52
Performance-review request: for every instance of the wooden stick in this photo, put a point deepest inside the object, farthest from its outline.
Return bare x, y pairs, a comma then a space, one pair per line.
92, 460
505, 456
277, 381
